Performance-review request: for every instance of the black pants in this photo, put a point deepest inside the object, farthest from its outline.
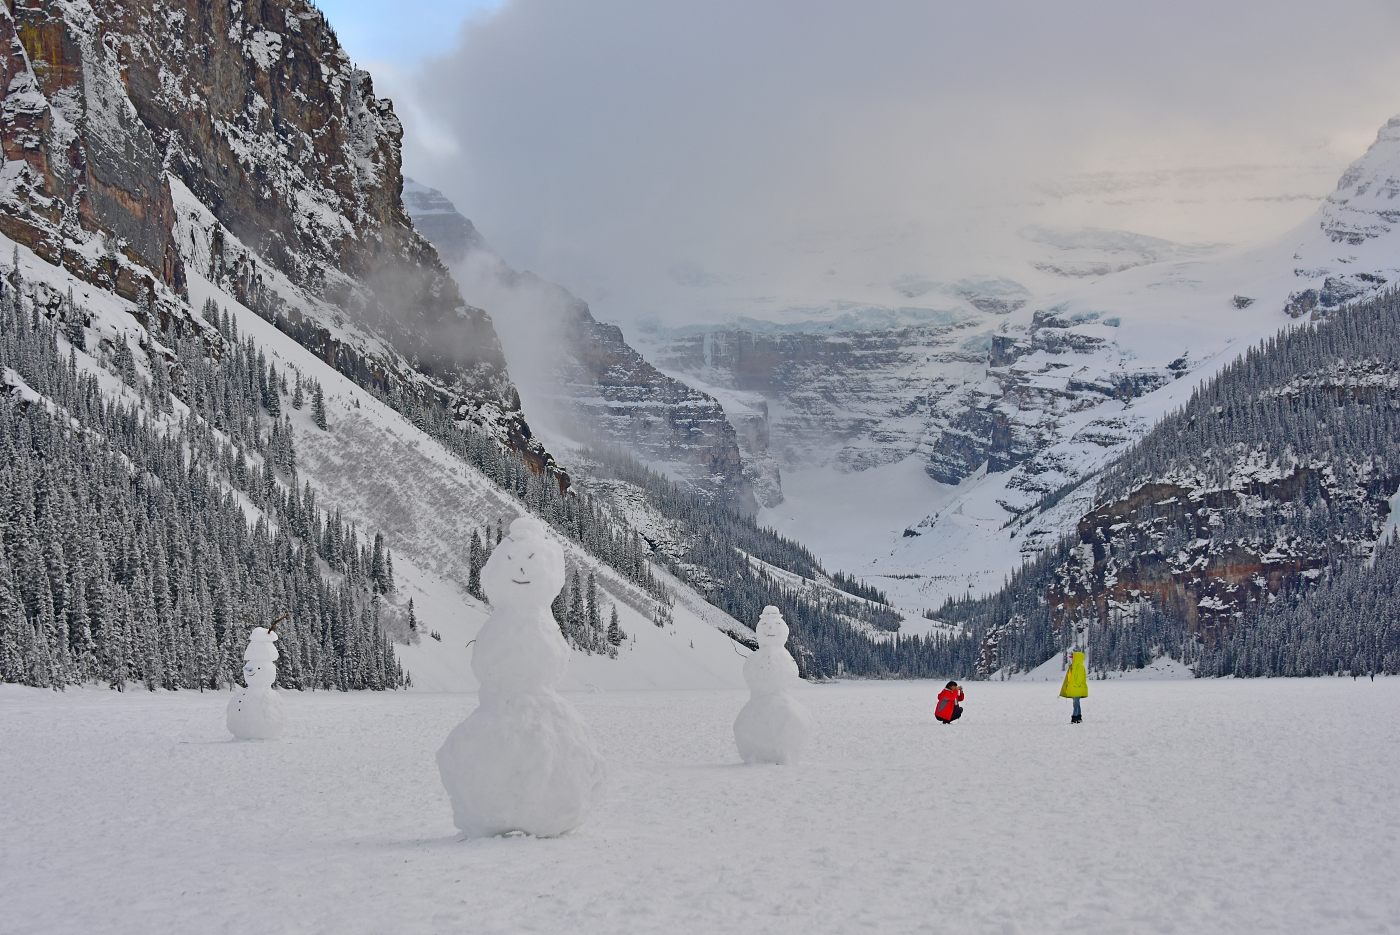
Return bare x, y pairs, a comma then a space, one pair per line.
957, 713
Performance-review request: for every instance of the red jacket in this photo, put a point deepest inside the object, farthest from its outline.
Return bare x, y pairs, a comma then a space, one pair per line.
947, 700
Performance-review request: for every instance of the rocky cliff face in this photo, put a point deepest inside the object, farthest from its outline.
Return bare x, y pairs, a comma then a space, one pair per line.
622, 400
435, 217
964, 391
598, 390
858, 398
82, 183
257, 112
1358, 221
1266, 516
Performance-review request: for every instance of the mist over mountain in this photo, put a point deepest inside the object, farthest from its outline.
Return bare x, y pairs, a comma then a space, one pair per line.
783, 156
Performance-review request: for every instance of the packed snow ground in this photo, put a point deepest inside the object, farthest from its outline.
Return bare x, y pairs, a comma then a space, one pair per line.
1218, 806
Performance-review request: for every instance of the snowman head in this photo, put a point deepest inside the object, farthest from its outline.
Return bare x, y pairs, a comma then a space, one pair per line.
526, 568
772, 628
259, 674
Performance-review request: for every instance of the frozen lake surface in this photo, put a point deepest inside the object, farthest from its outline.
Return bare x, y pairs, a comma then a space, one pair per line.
1205, 806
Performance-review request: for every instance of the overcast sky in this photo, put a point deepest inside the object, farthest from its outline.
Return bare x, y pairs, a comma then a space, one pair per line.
624, 147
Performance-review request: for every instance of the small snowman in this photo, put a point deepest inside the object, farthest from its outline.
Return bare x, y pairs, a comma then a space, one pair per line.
255, 711
523, 761
772, 727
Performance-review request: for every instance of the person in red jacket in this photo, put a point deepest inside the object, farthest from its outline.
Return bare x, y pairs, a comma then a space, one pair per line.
948, 709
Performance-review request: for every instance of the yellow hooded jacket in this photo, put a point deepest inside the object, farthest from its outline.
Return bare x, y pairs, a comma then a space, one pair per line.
1076, 683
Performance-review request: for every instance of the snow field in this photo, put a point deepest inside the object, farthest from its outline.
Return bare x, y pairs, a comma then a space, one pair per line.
1220, 806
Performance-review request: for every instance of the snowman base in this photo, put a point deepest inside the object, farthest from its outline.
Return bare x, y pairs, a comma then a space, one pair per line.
772, 729
521, 764
255, 715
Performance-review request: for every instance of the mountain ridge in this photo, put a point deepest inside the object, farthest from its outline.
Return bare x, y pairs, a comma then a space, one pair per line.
592, 385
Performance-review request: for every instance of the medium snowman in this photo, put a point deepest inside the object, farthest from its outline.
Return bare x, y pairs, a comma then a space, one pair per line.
523, 761
772, 727
255, 711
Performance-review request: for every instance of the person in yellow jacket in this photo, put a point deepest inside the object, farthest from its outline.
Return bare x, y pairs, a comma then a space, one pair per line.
1076, 684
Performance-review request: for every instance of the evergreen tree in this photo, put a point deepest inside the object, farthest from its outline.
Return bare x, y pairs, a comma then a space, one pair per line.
476, 558
593, 622
74, 325
615, 634
318, 407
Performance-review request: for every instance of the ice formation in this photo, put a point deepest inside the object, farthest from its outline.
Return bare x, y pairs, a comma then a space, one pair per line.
255, 712
772, 727
524, 759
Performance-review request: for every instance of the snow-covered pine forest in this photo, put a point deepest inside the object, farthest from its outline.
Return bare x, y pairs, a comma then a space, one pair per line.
128, 555
161, 592
1277, 478
128, 550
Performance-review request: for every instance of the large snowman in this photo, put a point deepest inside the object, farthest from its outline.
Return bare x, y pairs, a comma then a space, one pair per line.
772, 727
523, 761
255, 712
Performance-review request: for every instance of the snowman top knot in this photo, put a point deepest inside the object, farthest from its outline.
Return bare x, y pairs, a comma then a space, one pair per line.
772, 628
261, 646
526, 568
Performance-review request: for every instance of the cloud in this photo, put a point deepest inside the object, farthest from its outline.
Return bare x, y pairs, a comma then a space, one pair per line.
790, 149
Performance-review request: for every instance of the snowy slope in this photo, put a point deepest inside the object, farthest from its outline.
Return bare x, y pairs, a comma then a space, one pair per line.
386, 475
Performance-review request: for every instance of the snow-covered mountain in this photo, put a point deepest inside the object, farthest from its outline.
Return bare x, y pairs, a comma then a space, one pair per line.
1252, 529
260, 114
582, 381
938, 444
245, 283
180, 177
1251, 532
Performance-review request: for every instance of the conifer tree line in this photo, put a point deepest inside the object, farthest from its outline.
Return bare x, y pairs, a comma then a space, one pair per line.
126, 557
1344, 625
1292, 452
832, 634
